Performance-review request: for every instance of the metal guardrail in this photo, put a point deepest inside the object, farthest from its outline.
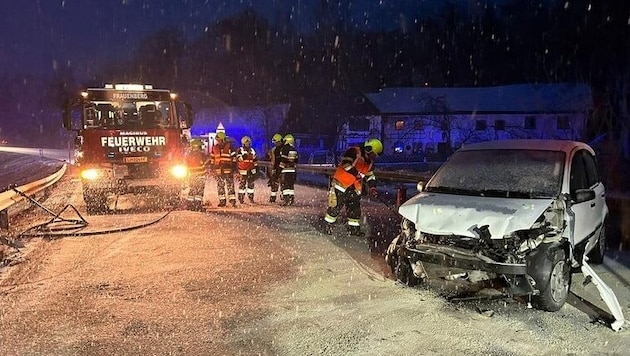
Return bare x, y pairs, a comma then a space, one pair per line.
397, 176
10, 197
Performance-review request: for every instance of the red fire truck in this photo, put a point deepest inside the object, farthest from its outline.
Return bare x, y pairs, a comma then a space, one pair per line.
130, 138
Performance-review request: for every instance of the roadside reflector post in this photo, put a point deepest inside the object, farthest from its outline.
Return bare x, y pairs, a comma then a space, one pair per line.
401, 195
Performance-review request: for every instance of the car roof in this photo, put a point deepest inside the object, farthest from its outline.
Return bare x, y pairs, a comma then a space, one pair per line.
528, 144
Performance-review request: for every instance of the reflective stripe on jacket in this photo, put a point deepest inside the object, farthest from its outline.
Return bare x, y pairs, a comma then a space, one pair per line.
288, 159
196, 161
345, 175
247, 160
223, 158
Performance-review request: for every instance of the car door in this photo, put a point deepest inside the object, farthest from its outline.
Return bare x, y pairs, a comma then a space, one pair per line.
588, 214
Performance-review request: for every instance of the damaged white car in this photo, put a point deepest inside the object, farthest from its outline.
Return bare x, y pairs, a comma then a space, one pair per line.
525, 211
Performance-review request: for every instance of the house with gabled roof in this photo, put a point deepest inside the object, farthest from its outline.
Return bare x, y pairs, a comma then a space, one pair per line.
425, 120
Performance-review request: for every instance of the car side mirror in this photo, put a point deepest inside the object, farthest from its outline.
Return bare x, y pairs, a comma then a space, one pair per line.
420, 186
582, 195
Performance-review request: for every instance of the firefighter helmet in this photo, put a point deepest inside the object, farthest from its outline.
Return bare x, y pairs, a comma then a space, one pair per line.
277, 138
373, 145
246, 140
196, 144
289, 139
220, 136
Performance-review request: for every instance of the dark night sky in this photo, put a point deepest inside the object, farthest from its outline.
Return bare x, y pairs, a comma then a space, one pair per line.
38, 35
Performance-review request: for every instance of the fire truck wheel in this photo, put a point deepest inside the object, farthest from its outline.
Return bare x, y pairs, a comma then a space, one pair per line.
95, 200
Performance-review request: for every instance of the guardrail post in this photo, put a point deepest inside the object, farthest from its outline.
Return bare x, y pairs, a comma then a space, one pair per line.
401, 195
4, 219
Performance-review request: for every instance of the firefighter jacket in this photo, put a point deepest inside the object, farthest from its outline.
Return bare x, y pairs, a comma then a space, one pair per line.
353, 169
223, 158
246, 160
288, 159
196, 160
274, 157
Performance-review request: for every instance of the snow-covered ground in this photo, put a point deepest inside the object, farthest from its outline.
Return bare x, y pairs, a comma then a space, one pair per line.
322, 294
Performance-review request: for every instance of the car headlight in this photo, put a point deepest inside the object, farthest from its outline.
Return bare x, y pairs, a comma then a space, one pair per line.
90, 174
179, 171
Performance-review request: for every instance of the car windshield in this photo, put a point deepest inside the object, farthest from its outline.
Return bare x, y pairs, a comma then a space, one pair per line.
501, 173
128, 114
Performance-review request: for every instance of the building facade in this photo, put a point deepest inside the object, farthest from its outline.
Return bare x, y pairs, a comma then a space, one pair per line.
431, 122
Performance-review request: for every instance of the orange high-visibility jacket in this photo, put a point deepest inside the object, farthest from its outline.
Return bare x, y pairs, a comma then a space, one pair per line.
223, 158
352, 170
196, 161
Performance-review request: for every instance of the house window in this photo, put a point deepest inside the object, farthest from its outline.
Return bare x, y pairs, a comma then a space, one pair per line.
499, 125
400, 124
530, 122
358, 124
562, 122
417, 125
480, 125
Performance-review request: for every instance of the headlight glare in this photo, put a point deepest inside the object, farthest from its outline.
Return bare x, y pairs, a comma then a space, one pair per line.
179, 171
90, 174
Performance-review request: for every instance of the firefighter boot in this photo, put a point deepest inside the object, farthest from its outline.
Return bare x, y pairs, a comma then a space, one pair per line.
251, 197
221, 203
241, 198
233, 202
355, 231
272, 199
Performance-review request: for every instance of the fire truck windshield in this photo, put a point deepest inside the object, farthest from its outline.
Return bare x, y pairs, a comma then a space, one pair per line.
129, 115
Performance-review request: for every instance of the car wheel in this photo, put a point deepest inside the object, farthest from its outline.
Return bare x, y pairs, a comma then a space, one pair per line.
555, 294
596, 256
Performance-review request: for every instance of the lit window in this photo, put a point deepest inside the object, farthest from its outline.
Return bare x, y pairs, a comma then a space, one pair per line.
400, 124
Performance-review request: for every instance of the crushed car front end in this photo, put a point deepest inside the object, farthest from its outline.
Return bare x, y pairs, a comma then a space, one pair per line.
510, 238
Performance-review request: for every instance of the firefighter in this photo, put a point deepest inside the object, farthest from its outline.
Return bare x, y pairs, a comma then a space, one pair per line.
273, 173
196, 160
223, 159
356, 167
247, 164
288, 164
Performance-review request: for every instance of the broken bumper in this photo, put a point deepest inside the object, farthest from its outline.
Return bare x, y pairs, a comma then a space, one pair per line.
450, 257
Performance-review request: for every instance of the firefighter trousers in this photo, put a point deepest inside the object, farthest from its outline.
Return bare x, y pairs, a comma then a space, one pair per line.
351, 200
246, 186
287, 187
225, 184
274, 185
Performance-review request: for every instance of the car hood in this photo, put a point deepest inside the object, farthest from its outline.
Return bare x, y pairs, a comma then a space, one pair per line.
450, 214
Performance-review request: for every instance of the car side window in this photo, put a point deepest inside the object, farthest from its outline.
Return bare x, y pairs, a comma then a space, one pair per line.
578, 174
590, 165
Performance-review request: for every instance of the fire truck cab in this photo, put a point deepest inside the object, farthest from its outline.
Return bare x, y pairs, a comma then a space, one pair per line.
130, 138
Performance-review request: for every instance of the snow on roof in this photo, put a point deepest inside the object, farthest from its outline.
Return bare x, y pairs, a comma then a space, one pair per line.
521, 98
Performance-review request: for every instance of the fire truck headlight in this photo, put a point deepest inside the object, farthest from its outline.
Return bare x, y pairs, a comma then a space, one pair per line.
179, 171
90, 174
